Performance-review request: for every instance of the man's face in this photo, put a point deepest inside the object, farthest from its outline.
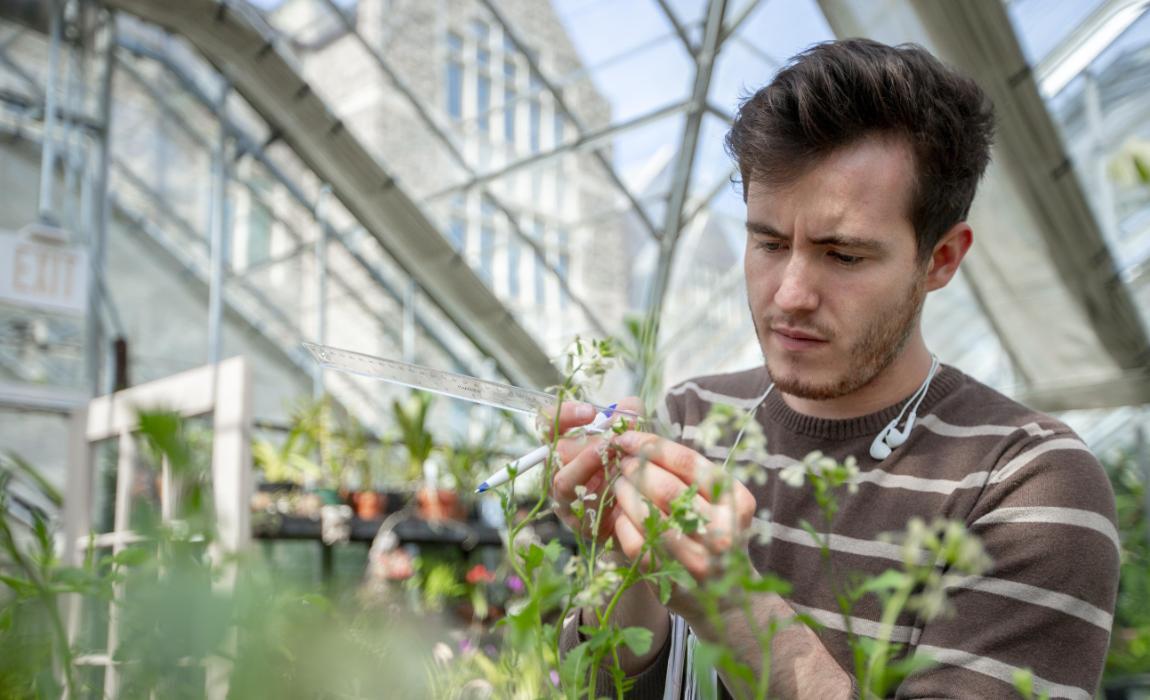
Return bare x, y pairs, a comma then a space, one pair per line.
833, 278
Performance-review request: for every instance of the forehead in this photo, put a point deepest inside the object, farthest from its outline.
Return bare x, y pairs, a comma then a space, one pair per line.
860, 185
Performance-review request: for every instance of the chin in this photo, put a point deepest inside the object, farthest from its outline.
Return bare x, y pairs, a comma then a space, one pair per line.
792, 379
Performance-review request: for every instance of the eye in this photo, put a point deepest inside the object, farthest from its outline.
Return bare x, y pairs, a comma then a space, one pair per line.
768, 244
844, 259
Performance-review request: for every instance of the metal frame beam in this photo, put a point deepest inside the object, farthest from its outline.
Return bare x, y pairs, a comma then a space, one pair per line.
247, 145
561, 103
580, 142
669, 13
681, 178
238, 40
442, 135
1079, 49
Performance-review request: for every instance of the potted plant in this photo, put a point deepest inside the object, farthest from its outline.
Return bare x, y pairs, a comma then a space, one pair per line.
435, 501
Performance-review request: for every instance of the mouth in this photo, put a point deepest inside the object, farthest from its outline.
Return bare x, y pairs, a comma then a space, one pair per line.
797, 340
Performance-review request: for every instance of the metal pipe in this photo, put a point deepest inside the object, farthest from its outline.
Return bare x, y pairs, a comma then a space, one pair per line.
74, 88
48, 150
294, 190
219, 237
99, 220
681, 178
321, 282
409, 322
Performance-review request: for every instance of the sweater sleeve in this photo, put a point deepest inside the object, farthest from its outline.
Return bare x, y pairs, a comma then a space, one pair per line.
648, 684
1046, 517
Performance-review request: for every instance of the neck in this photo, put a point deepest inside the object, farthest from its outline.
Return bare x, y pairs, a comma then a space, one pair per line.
895, 383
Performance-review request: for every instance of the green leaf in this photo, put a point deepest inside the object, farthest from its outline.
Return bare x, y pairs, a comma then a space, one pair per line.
14, 464
665, 586
22, 587
887, 581
1143, 169
132, 557
163, 431
1024, 682
637, 639
767, 583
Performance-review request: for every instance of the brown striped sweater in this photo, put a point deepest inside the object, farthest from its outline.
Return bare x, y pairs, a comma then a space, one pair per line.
1022, 481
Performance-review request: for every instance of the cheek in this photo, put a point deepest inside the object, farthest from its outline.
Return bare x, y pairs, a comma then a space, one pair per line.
760, 287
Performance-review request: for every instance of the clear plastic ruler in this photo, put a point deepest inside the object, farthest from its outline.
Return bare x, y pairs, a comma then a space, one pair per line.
459, 386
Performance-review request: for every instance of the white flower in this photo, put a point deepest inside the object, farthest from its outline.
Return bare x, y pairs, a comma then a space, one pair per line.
760, 529
572, 566
793, 474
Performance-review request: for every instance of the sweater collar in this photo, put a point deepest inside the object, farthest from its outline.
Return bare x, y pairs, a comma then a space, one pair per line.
945, 381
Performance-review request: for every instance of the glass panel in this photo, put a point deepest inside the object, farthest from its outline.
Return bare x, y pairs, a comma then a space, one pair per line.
105, 455
1042, 25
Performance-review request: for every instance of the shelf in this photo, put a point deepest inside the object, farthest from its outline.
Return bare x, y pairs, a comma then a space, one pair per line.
413, 530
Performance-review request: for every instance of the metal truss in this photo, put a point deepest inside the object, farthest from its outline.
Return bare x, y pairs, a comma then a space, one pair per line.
444, 137
249, 147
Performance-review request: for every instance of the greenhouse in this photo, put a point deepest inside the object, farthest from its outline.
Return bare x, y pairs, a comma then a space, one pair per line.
574, 348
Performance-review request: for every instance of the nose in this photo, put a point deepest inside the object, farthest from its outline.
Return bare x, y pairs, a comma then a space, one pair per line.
797, 290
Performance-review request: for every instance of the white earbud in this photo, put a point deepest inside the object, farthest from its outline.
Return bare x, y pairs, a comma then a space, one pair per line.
878, 449
896, 437
890, 436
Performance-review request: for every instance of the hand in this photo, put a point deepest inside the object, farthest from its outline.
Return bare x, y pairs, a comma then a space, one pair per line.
657, 471
581, 461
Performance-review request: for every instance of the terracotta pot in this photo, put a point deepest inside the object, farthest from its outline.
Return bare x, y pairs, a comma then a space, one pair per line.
369, 505
439, 504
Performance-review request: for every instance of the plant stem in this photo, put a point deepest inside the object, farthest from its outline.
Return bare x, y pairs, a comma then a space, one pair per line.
890, 612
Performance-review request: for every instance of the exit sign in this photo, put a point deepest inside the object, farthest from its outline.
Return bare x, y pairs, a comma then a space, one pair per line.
38, 268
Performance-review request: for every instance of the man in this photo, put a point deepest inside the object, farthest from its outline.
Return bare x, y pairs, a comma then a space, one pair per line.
859, 163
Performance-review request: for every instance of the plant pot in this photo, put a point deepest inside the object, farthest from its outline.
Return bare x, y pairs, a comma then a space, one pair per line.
439, 504
369, 505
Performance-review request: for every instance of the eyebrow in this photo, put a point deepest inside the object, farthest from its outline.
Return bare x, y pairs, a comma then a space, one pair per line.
831, 239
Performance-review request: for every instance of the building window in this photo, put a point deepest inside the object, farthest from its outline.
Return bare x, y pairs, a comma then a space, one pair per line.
540, 267
558, 129
563, 266
509, 97
482, 74
454, 76
513, 247
486, 241
536, 113
457, 229
483, 97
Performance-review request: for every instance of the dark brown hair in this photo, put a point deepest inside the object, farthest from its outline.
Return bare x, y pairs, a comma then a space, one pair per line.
836, 93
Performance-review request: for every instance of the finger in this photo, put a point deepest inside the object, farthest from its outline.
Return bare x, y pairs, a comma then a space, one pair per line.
576, 414
659, 485
568, 449
579, 471
691, 554
722, 528
629, 537
572, 414
691, 468
685, 463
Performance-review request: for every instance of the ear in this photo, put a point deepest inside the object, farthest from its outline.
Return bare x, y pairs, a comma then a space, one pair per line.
947, 255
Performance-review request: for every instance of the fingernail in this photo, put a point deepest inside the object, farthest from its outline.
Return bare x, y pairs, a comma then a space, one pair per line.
584, 412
